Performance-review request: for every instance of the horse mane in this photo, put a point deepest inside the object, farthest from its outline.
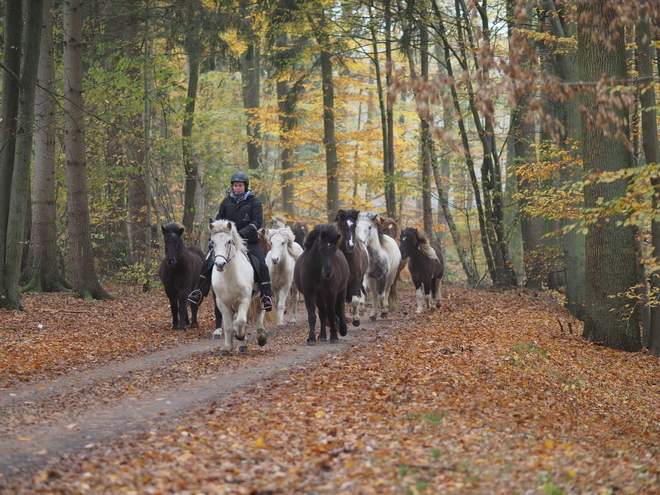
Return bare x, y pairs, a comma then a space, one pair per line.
173, 226
424, 243
229, 227
325, 229
276, 222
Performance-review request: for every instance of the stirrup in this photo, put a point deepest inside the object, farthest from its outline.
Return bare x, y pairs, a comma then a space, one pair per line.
195, 296
266, 303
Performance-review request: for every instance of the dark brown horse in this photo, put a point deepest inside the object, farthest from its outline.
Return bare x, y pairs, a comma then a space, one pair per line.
356, 256
178, 271
300, 231
426, 265
321, 275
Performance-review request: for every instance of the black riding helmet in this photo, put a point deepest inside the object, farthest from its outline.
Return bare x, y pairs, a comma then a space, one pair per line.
241, 177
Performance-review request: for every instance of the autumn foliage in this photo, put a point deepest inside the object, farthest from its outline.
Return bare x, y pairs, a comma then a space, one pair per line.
495, 393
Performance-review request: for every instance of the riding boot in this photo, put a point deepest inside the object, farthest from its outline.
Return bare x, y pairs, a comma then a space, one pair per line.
265, 288
203, 285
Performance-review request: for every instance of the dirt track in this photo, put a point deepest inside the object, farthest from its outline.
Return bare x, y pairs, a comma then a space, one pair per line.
84, 408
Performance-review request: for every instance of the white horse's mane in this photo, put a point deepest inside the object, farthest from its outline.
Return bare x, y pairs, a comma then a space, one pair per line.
228, 227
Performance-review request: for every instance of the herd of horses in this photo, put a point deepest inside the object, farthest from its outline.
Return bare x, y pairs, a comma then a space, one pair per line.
355, 260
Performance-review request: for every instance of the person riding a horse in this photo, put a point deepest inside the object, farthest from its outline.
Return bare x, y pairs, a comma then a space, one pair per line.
242, 207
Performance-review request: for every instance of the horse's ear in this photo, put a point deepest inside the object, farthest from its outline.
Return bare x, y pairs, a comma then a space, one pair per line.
181, 231
211, 223
339, 213
163, 229
228, 225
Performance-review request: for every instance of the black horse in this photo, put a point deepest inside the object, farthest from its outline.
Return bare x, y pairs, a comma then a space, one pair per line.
300, 231
426, 265
321, 275
356, 256
178, 271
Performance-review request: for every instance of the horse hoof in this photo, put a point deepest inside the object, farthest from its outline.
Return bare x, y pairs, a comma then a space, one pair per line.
334, 341
181, 329
383, 315
262, 341
224, 352
217, 336
356, 323
242, 349
372, 318
311, 342
342, 332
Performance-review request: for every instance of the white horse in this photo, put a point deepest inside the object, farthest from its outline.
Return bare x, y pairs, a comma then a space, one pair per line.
281, 259
384, 260
234, 286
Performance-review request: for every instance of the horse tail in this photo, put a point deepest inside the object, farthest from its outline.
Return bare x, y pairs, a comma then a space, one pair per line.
392, 297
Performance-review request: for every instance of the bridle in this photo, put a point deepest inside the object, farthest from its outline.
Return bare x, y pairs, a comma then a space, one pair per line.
228, 255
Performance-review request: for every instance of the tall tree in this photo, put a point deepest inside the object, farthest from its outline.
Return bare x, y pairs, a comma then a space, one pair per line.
610, 246
190, 168
645, 56
320, 27
42, 272
20, 181
84, 280
10, 97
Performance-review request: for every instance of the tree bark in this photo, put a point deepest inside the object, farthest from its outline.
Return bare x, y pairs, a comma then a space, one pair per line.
20, 183
10, 97
42, 269
84, 280
190, 169
610, 248
645, 56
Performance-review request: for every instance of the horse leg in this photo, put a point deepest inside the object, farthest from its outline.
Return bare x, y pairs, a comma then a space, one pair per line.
341, 316
218, 320
240, 320
174, 308
228, 327
183, 312
194, 308
373, 291
355, 305
428, 287
437, 292
262, 338
310, 304
280, 295
323, 318
295, 298
382, 295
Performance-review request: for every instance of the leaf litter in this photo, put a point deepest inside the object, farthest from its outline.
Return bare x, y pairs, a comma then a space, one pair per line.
491, 394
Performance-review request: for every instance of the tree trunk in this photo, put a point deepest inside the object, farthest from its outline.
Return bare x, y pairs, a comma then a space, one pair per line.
20, 183
645, 52
42, 270
329, 136
190, 168
10, 96
389, 168
84, 281
610, 248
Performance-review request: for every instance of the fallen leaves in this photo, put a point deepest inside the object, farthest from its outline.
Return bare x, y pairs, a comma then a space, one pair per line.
488, 395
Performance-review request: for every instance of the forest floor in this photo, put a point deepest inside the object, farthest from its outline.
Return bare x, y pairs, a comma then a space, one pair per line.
495, 393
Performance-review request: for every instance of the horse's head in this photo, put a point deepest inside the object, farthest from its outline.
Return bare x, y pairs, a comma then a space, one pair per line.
223, 242
173, 238
347, 223
279, 240
323, 240
390, 226
409, 241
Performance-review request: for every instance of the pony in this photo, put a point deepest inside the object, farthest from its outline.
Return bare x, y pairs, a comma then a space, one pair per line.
390, 226
300, 231
426, 265
233, 283
321, 275
178, 271
281, 260
356, 256
384, 260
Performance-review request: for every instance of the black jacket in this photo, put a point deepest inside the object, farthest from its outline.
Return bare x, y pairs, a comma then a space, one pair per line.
247, 214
